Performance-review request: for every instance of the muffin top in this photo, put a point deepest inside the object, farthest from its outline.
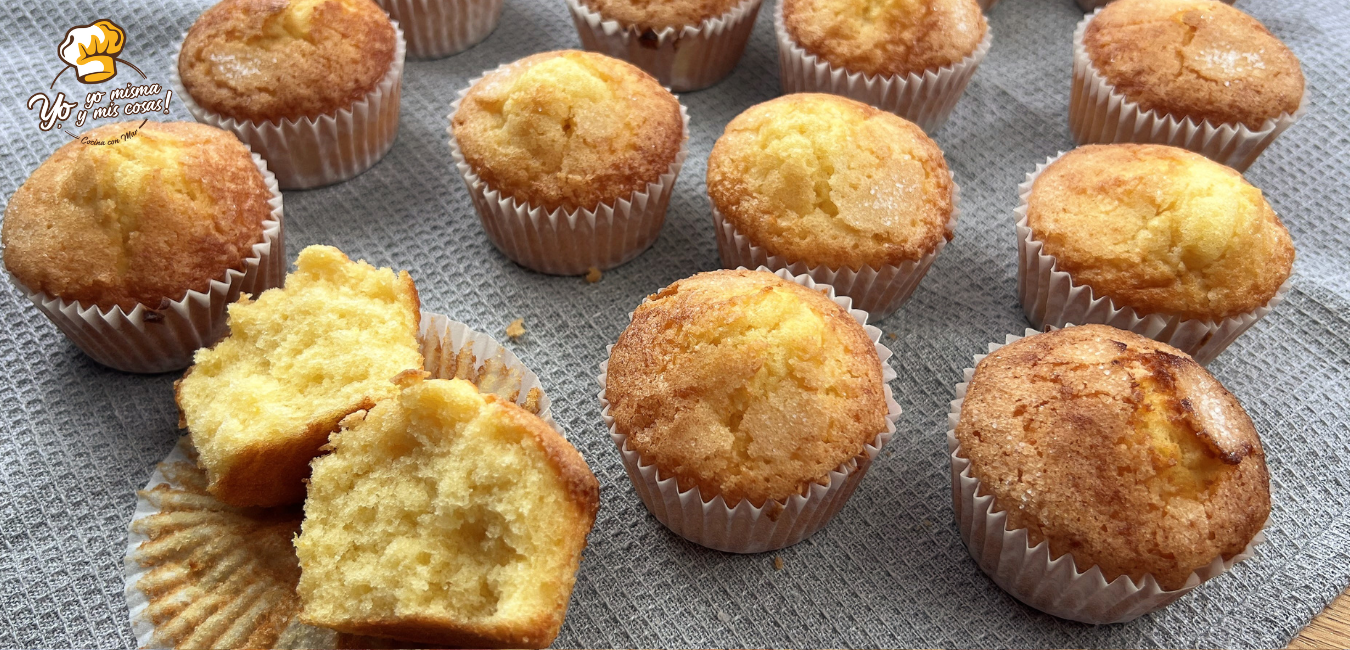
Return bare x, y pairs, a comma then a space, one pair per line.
569, 130
745, 385
886, 37
1118, 449
1160, 229
1200, 59
269, 60
832, 182
647, 14
136, 221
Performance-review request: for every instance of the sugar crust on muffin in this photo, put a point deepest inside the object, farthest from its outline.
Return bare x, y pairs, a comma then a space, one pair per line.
1200, 59
745, 385
139, 221
274, 60
833, 182
1118, 449
1161, 230
660, 14
569, 130
886, 37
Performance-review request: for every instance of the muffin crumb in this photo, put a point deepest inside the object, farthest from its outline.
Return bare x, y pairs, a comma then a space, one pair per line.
516, 329
593, 275
777, 563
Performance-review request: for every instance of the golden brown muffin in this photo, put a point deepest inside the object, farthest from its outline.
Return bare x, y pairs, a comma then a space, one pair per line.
269, 60
1200, 59
646, 14
829, 181
569, 129
445, 516
1118, 449
261, 403
745, 385
886, 37
137, 221
1161, 230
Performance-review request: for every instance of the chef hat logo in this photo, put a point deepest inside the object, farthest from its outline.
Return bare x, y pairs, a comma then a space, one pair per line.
92, 50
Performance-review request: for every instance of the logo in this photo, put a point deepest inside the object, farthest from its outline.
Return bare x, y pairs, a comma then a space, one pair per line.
93, 52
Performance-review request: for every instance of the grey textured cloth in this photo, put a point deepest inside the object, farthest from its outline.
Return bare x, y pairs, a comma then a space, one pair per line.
890, 570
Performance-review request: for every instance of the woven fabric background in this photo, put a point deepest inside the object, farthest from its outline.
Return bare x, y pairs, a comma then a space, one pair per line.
77, 439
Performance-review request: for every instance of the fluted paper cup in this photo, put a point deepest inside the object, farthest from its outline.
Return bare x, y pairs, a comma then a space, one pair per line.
1051, 298
877, 291
569, 242
161, 338
439, 28
1098, 114
178, 522
746, 528
1053, 585
331, 148
685, 58
925, 99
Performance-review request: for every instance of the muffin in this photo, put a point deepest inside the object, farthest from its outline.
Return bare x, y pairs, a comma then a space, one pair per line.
1089, 5
820, 184
312, 85
439, 28
1119, 452
570, 158
260, 404
174, 590
910, 58
762, 395
1167, 243
685, 44
1195, 74
132, 241
445, 516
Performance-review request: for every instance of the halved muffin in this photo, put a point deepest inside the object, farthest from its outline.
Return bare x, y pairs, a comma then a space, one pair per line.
261, 403
445, 516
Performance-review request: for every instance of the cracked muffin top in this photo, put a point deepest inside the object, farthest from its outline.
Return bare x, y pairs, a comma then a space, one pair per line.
1200, 59
745, 385
1161, 230
569, 130
136, 221
830, 181
269, 60
1118, 449
660, 14
886, 37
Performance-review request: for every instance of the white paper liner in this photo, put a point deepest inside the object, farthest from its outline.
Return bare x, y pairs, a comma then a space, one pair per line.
562, 242
746, 528
1089, 5
313, 152
925, 99
1100, 115
879, 292
692, 57
1054, 586
152, 340
434, 329
1051, 298
439, 28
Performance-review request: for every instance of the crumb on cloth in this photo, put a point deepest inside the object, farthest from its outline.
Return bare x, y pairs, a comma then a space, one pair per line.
593, 275
516, 329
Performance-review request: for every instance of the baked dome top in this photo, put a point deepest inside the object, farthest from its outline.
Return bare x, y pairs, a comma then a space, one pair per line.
886, 37
136, 221
269, 60
745, 385
1200, 59
660, 14
1161, 229
569, 129
1118, 449
832, 182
